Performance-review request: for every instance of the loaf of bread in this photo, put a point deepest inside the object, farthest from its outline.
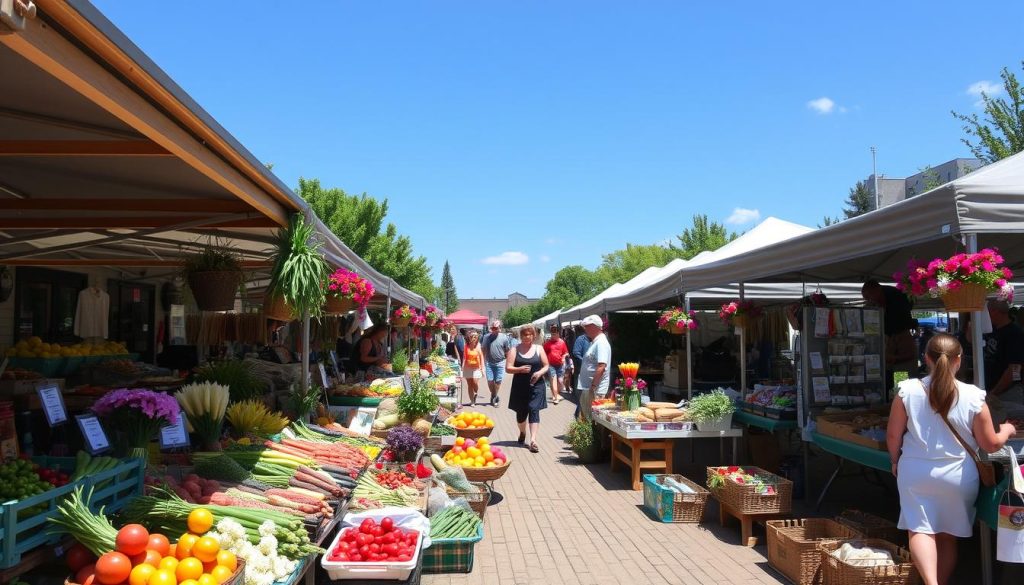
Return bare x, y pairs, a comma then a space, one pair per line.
643, 418
668, 413
643, 410
657, 405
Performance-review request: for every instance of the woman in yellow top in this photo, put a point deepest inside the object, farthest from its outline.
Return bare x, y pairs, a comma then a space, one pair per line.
472, 362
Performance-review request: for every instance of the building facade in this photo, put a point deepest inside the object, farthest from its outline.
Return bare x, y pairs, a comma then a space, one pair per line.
495, 308
892, 190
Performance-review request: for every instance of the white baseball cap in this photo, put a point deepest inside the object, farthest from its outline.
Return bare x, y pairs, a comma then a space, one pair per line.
592, 320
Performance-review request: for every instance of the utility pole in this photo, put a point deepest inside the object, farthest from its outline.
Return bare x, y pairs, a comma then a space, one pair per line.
874, 176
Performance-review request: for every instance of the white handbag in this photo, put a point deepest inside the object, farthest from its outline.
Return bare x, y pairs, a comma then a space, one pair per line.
1010, 530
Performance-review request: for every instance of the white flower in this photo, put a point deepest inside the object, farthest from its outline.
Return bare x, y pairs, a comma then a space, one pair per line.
267, 528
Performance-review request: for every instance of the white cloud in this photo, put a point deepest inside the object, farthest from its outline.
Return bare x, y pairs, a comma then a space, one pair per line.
507, 259
822, 105
987, 87
741, 216
545, 258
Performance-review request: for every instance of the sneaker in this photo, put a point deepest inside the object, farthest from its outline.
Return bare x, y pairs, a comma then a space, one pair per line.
495, 401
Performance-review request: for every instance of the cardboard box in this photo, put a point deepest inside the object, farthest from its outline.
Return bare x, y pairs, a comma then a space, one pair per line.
18, 387
675, 370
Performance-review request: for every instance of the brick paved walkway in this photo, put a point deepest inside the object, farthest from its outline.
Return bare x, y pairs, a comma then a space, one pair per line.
562, 522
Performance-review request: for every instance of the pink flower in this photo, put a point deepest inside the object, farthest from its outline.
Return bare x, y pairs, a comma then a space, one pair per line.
1007, 273
932, 283
1000, 282
692, 325
988, 266
955, 285
951, 265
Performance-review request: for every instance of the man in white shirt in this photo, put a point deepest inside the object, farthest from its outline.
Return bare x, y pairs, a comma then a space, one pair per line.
594, 377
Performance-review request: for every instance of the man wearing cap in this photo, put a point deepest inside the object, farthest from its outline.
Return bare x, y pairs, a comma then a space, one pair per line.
495, 345
594, 374
1004, 355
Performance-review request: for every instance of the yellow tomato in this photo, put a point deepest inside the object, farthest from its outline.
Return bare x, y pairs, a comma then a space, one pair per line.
200, 521
189, 568
488, 456
479, 460
207, 579
226, 558
206, 549
183, 549
188, 582
163, 578
168, 564
221, 574
473, 451
140, 574
460, 441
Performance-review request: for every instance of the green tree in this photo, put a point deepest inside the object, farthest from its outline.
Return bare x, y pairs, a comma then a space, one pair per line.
622, 265
569, 287
359, 222
859, 201
448, 298
704, 235
1001, 133
827, 221
518, 315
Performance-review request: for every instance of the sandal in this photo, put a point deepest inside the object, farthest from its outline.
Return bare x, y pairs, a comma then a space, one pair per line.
522, 438
534, 448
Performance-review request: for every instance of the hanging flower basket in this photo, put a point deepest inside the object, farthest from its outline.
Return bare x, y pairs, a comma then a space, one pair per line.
275, 307
740, 320
739, 313
402, 316
969, 297
338, 305
962, 281
214, 290
677, 321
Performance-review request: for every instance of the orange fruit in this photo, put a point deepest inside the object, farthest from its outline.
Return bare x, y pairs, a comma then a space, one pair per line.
168, 564
188, 582
183, 549
140, 574
152, 557
200, 521
226, 558
170, 550
163, 578
221, 574
208, 566
207, 579
189, 568
206, 549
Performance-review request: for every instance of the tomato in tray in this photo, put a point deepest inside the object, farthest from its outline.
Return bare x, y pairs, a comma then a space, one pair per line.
374, 542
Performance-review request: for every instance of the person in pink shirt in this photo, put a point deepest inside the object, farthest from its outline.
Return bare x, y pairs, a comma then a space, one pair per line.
556, 350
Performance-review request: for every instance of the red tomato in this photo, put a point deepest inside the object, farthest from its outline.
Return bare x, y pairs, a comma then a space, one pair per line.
86, 575
159, 543
79, 556
377, 531
367, 526
132, 539
374, 548
355, 557
404, 558
365, 539
113, 567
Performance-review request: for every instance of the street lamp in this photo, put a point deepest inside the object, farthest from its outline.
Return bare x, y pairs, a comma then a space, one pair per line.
874, 176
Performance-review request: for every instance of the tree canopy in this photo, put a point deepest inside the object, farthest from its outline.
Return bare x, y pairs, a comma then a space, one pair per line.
1001, 132
703, 235
622, 265
358, 220
519, 315
859, 201
446, 294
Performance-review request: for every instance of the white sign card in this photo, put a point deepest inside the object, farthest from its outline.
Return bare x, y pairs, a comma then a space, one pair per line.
854, 328
817, 365
362, 422
873, 366
821, 316
96, 441
323, 376
174, 436
821, 390
872, 322
53, 405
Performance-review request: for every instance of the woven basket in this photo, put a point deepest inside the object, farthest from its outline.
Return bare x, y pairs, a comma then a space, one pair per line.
379, 433
399, 322
477, 500
967, 298
434, 444
215, 291
744, 499
871, 526
474, 433
677, 329
486, 473
793, 545
338, 305
684, 507
836, 572
275, 307
740, 320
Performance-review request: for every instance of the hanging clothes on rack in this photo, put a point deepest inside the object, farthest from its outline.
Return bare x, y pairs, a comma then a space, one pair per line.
92, 313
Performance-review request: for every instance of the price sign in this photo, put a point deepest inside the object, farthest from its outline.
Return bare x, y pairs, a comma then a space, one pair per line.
362, 422
96, 441
174, 436
53, 405
323, 376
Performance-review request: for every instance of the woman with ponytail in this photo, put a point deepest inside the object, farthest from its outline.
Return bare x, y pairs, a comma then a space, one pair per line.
937, 477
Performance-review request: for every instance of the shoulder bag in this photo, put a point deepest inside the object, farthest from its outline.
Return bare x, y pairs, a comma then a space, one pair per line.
986, 471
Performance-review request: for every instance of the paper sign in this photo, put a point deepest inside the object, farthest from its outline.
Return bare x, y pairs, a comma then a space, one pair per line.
362, 422
873, 366
821, 390
96, 441
53, 405
821, 316
816, 363
323, 376
855, 379
837, 379
872, 322
174, 436
854, 328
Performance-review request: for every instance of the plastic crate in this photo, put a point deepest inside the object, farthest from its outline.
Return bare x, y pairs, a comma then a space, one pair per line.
451, 555
337, 570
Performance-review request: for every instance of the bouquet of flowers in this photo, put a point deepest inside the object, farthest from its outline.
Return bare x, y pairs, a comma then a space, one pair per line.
346, 284
433, 316
742, 308
939, 277
404, 442
677, 320
136, 415
629, 386
764, 485
418, 319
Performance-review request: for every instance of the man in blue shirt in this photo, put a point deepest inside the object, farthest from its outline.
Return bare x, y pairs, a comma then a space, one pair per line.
579, 349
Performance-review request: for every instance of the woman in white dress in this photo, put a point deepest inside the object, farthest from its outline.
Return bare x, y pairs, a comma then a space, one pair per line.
937, 479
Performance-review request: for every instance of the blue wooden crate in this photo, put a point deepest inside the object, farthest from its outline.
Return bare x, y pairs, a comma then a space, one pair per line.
668, 505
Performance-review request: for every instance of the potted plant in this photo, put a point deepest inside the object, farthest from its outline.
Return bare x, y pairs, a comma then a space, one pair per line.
962, 281
204, 404
433, 317
402, 316
583, 440
299, 273
346, 290
677, 320
739, 313
136, 415
712, 411
415, 406
214, 276
237, 375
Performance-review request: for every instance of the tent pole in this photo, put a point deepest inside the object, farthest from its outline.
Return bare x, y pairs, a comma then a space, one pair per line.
387, 317
305, 351
689, 352
977, 343
743, 350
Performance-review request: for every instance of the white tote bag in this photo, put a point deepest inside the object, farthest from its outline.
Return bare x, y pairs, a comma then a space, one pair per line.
1010, 531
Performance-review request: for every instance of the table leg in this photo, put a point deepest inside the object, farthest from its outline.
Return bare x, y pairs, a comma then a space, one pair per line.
747, 531
635, 458
614, 462
735, 451
721, 513
721, 449
828, 484
986, 554
669, 443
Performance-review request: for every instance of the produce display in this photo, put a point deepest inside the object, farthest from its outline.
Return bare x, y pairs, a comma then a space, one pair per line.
21, 479
782, 397
468, 419
204, 404
764, 484
479, 453
381, 387
375, 542
252, 417
455, 522
34, 347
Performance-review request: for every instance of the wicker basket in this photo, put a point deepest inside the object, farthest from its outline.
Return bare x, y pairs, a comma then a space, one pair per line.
668, 505
744, 499
740, 320
215, 291
275, 307
486, 473
400, 322
338, 306
836, 572
676, 329
474, 433
871, 526
793, 545
477, 500
969, 297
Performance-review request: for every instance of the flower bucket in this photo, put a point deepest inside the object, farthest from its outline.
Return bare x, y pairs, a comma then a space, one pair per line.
677, 329
214, 291
338, 305
740, 321
401, 322
275, 307
719, 425
969, 297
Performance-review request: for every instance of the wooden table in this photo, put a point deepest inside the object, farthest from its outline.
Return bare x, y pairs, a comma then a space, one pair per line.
747, 537
637, 441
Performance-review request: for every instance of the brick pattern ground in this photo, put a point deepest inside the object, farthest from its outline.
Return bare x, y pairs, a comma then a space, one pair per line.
562, 522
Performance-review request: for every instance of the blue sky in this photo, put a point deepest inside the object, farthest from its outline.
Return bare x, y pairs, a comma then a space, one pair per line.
515, 138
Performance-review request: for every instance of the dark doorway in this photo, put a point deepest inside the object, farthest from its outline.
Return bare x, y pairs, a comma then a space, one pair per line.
45, 302
132, 315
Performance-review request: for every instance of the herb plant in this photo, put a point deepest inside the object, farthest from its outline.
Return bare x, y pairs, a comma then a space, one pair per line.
299, 273
418, 403
404, 439
710, 406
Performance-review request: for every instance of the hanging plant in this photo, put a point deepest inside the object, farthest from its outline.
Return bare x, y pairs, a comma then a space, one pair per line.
299, 271
214, 275
739, 312
433, 316
677, 320
962, 281
346, 285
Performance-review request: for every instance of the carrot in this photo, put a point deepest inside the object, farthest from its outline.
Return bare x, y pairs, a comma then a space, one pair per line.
307, 486
294, 496
220, 499
286, 503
